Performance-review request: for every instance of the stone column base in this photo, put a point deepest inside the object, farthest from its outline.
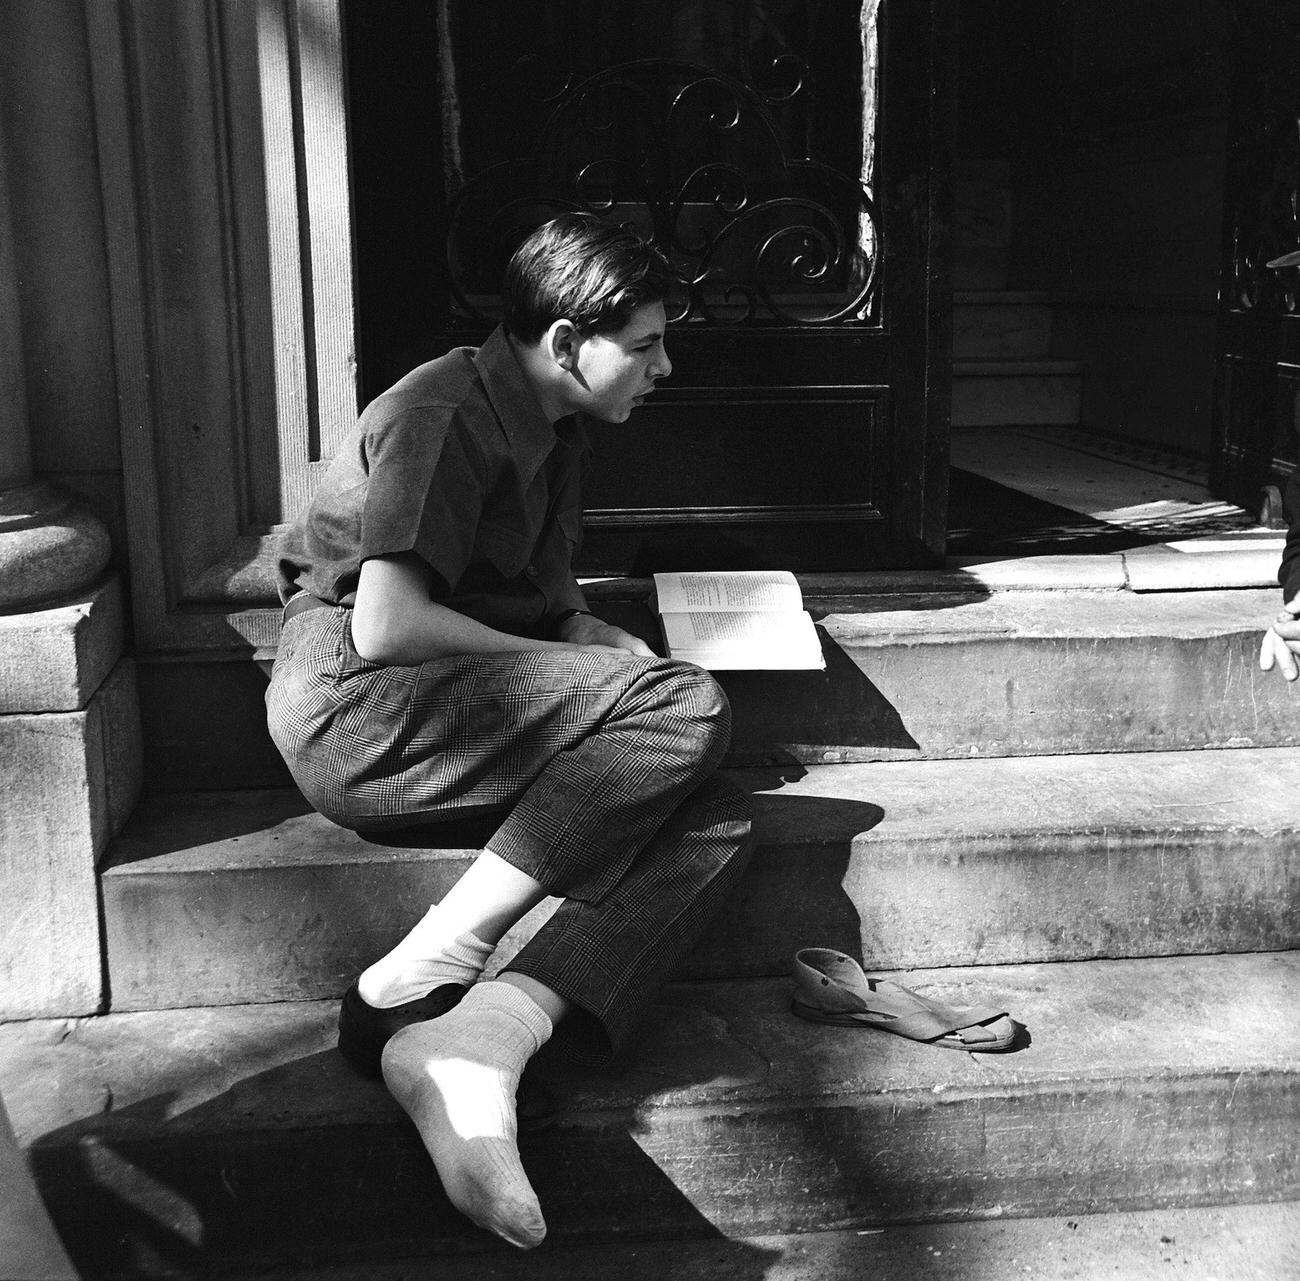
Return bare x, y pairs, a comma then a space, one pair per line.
69, 776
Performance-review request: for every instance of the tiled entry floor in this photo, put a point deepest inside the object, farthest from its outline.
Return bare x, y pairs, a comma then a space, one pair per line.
1042, 490
1043, 501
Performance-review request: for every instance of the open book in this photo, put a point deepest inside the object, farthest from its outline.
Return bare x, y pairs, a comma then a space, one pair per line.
737, 619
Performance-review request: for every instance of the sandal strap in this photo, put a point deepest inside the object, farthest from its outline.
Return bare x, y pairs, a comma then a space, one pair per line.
833, 983
926, 1018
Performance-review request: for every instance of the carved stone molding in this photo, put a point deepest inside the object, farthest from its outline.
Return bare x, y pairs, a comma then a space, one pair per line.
222, 140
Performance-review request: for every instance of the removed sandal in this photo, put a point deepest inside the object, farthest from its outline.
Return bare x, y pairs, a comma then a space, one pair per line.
831, 988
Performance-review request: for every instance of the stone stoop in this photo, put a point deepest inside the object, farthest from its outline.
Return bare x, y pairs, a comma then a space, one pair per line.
1011, 673
228, 898
1209, 1243
934, 803
1019, 658
991, 791
959, 749
224, 1142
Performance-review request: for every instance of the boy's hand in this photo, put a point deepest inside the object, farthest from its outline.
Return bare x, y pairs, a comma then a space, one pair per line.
586, 629
1281, 643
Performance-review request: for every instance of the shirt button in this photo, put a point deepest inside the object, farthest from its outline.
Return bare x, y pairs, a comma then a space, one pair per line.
530, 569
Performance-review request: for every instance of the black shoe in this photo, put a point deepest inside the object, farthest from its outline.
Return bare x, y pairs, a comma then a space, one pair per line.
365, 1030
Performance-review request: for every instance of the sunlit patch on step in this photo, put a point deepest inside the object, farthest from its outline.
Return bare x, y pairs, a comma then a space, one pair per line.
142, 1197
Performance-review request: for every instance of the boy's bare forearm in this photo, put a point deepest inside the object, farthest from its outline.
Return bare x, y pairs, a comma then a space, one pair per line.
395, 620
429, 631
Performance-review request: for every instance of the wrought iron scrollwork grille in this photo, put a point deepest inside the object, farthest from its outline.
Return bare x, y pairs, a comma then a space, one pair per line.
693, 159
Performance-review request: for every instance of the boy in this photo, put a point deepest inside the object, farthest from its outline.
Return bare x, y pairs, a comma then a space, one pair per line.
438, 660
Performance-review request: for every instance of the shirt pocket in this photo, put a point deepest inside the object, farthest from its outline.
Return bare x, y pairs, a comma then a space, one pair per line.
506, 548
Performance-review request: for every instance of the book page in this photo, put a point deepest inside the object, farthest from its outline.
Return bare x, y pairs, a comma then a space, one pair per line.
736, 639
735, 590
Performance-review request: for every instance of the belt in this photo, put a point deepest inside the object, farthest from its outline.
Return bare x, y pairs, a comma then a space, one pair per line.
304, 601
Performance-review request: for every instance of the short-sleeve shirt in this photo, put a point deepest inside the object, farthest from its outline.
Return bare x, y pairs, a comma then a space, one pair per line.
457, 463
1289, 572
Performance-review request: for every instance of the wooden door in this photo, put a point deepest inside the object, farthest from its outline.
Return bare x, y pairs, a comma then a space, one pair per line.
788, 156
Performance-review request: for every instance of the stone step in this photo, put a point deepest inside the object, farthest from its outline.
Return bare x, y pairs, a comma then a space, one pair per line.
222, 898
1233, 1243
990, 393
1003, 673
1001, 325
235, 1140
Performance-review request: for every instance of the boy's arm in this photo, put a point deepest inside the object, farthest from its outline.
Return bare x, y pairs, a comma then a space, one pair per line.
395, 621
1280, 644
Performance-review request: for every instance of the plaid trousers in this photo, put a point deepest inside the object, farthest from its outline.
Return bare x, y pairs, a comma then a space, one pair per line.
603, 765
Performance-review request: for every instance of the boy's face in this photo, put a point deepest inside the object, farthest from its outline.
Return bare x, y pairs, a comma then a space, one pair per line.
616, 371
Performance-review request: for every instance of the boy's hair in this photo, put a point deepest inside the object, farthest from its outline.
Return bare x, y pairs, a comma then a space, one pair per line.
578, 268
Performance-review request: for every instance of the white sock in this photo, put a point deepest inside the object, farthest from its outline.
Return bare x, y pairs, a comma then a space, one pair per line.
433, 953
456, 1078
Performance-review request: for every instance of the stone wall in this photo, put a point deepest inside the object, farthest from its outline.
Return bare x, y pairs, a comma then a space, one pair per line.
69, 718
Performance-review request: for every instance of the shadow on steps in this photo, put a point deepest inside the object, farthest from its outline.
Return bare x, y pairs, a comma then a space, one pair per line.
209, 1193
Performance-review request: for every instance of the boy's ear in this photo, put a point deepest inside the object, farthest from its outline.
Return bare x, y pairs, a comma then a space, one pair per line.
561, 343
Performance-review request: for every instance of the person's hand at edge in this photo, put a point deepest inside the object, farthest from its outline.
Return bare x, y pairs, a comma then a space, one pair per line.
586, 629
1281, 642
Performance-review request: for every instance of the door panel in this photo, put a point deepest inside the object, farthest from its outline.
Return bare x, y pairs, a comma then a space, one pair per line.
746, 477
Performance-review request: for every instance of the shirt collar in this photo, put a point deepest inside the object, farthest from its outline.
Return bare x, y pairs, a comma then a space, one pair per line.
517, 408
